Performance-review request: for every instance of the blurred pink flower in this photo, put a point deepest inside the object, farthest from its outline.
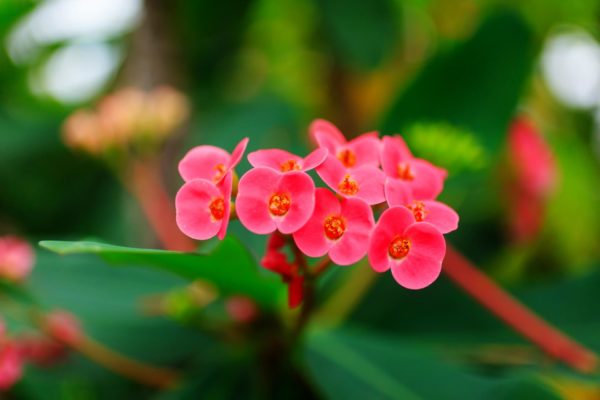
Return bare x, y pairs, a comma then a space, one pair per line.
16, 258
412, 250
362, 151
241, 309
341, 229
203, 207
364, 182
283, 161
11, 364
532, 158
425, 180
268, 200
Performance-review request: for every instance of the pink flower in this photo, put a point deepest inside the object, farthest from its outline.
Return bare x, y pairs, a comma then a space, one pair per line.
283, 161
268, 200
425, 180
341, 229
532, 157
365, 182
16, 258
364, 150
203, 207
11, 364
444, 218
412, 250
210, 162
241, 309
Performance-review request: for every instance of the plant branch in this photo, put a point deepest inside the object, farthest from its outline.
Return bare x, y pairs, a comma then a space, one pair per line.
516, 315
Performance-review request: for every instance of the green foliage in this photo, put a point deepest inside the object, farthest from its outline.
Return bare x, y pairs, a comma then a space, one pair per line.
448, 146
475, 85
362, 33
229, 267
361, 364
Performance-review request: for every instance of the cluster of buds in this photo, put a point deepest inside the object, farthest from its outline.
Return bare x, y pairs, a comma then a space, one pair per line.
279, 197
45, 348
129, 118
533, 179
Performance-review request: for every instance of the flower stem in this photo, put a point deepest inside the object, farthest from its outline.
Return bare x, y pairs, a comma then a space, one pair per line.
145, 183
516, 315
132, 369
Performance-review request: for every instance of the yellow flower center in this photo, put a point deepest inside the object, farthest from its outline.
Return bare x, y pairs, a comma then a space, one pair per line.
217, 208
347, 157
290, 165
418, 210
399, 248
348, 186
279, 204
334, 227
405, 172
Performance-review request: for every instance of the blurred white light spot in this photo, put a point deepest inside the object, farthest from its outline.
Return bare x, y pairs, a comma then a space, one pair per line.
571, 67
77, 72
62, 20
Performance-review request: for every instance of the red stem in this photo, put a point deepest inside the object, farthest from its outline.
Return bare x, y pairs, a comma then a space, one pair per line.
146, 185
516, 315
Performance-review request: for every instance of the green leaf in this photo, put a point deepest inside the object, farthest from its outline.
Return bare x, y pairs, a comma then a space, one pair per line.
230, 267
361, 365
363, 33
475, 86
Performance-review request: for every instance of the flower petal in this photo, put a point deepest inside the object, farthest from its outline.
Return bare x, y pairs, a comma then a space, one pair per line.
366, 148
314, 159
201, 163
225, 186
429, 179
444, 218
397, 192
192, 209
311, 239
423, 264
332, 171
370, 183
271, 158
393, 151
326, 135
237, 153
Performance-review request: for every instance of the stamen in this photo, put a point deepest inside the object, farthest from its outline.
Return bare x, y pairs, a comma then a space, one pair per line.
399, 248
279, 204
220, 171
217, 208
418, 210
347, 157
405, 172
348, 186
290, 165
334, 227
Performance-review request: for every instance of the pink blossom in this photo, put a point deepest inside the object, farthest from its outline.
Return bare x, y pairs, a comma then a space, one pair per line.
412, 250
203, 207
425, 180
532, 158
362, 151
283, 161
11, 364
365, 182
444, 218
16, 258
341, 229
241, 309
268, 200
210, 162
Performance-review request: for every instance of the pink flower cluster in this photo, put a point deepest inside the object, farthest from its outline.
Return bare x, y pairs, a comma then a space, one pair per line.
278, 196
16, 258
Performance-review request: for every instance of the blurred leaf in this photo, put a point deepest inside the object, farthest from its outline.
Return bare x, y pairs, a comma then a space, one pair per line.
230, 267
362, 33
362, 365
475, 86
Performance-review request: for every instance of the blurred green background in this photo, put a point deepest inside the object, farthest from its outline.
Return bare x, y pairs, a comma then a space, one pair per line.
448, 75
